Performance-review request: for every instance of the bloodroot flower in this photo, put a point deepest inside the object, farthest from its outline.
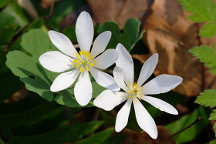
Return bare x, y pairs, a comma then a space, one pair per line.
75, 64
136, 91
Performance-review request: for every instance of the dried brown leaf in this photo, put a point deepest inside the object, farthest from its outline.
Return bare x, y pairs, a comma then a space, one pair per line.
171, 34
118, 10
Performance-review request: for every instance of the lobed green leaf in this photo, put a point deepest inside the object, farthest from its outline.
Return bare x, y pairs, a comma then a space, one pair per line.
129, 37
208, 30
207, 98
202, 10
213, 115
206, 55
26, 66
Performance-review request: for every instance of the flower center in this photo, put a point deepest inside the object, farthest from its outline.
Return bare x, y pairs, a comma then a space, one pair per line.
135, 91
83, 61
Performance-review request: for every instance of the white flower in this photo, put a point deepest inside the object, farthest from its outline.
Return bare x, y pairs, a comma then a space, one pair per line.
75, 64
136, 91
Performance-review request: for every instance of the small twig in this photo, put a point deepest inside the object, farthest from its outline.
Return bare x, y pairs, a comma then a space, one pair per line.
193, 123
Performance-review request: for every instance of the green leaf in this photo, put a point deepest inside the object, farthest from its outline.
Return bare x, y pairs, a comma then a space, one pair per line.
207, 98
66, 98
12, 19
27, 116
7, 33
4, 3
131, 33
59, 135
208, 30
36, 42
202, 10
97, 138
129, 37
13, 15
206, 55
115, 139
116, 33
212, 142
37, 79
97, 89
26, 66
192, 132
213, 115
36, 24
32, 115
61, 9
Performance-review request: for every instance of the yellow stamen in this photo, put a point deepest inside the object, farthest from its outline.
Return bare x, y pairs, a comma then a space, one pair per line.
81, 69
87, 68
135, 91
83, 61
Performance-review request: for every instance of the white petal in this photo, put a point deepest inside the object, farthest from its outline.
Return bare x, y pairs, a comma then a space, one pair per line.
147, 69
64, 80
62, 42
108, 99
84, 31
104, 79
161, 105
55, 61
161, 84
125, 62
122, 116
144, 119
106, 59
83, 89
100, 43
119, 78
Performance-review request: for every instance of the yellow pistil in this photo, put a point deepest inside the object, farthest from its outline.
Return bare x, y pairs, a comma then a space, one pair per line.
83, 61
135, 91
